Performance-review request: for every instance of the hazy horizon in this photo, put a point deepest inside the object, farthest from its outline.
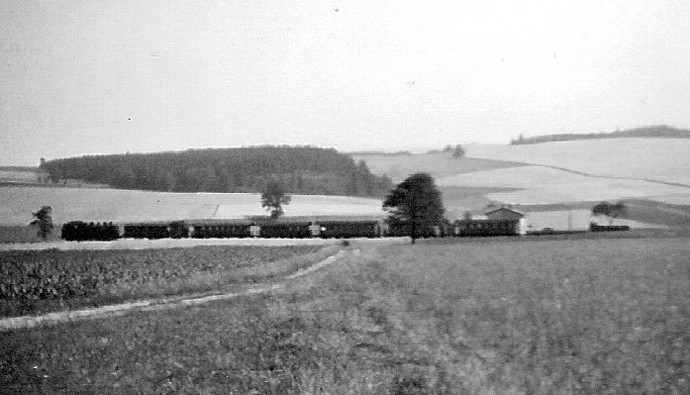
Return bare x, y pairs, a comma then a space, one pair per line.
99, 77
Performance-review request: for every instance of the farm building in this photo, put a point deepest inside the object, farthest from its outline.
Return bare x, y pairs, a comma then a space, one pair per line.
505, 213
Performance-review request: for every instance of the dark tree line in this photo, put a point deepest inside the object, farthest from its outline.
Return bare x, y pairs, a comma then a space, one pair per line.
302, 170
651, 132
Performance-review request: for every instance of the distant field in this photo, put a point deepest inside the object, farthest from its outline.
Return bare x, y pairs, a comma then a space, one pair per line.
543, 185
513, 316
22, 174
398, 167
576, 220
646, 158
96, 205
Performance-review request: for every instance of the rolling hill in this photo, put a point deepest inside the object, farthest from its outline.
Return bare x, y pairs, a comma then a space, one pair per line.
101, 205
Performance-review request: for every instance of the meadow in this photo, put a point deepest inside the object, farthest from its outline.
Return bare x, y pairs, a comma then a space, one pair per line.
98, 205
538, 185
643, 158
398, 167
500, 315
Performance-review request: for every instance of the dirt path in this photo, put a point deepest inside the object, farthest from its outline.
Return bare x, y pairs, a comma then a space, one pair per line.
7, 324
143, 244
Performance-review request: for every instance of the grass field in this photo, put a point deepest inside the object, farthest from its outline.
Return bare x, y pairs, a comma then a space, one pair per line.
474, 316
544, 185
74, 204
398, 167
644, 158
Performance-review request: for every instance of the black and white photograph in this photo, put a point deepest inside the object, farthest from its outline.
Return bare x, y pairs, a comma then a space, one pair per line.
344, 197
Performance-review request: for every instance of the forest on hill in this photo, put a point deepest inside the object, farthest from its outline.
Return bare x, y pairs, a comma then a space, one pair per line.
303, 170
661, 131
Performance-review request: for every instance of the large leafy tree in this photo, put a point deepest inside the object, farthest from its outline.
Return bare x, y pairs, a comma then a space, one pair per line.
415, 203
44, 221
274, 197
610, 210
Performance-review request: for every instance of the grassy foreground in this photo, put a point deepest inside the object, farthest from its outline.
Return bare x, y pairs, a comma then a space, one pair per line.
477, 316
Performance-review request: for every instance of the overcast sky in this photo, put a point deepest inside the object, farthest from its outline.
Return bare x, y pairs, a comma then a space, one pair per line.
79, 77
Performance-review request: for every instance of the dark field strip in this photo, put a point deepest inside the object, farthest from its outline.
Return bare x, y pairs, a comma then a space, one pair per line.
559, 316
32, 282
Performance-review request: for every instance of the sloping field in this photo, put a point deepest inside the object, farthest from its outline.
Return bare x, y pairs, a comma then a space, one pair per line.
98, 205
398, 167
643, 158
21, 174
575, 220
543, 185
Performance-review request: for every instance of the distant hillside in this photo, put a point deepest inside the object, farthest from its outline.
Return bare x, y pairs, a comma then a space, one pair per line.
304, 170
383, 153
661, 131
22, 175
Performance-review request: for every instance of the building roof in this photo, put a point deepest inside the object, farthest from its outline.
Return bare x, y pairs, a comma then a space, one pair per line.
505, 210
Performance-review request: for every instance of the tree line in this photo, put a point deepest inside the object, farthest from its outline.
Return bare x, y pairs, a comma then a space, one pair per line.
302, 170
661, 131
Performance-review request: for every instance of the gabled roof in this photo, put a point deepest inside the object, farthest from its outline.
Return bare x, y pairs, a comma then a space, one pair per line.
505, 209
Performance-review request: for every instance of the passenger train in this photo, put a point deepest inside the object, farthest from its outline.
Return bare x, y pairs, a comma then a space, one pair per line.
203, 229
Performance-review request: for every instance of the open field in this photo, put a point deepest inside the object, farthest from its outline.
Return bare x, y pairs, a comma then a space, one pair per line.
97, 205
642, 158
22, 174
398, 167
576, 220
544, 185
34, 282
475, 316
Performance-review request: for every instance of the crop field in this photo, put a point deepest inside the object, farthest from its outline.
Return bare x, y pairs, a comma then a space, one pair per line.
474, 316
398, 167
97, 205
644, 158
576, 220
36, 281
544, 185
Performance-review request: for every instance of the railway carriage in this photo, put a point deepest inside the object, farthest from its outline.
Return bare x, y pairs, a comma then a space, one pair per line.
348, 229
218, 229
147, 230
290, 230
486, 227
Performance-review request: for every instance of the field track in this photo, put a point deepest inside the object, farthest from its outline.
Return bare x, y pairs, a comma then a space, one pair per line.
8, 324
145, 244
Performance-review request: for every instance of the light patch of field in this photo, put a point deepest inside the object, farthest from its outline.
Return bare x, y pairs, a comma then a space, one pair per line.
99, 205
576, 220
146, 244
22, 175
398, 167
645, 158
543, 185
673, 199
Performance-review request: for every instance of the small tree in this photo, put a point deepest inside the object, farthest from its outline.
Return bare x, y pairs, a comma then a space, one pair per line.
610, 210
458, 152
274, 197
44, 221
415, 202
